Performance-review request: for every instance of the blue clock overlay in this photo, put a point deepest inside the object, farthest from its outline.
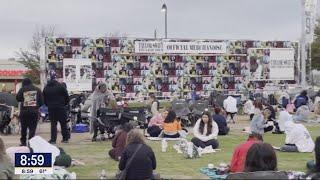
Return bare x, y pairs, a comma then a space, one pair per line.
33, 160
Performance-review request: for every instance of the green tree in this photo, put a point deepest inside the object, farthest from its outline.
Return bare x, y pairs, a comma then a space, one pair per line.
315, 48
31, 57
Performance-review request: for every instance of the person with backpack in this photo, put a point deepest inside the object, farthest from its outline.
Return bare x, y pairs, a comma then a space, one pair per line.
31, 100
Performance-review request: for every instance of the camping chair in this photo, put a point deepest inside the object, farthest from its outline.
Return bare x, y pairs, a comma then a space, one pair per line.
181, 108
198, 108
110, 118
139, 112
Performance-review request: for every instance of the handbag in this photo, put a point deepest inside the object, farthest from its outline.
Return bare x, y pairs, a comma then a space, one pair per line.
122, 175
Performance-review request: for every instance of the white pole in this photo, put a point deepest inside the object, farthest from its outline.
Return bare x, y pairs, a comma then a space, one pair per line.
303, 47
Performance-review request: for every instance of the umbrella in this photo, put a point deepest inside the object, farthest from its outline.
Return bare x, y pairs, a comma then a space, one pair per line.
9, 99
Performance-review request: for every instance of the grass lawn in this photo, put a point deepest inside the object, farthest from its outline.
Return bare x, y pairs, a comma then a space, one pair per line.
174, 165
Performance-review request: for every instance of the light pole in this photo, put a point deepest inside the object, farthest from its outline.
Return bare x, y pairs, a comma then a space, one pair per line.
165, 10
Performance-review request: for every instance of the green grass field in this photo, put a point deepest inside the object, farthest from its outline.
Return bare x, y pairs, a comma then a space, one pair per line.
173, 165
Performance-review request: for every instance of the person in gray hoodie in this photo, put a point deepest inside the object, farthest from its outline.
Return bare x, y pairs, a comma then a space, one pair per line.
99, 98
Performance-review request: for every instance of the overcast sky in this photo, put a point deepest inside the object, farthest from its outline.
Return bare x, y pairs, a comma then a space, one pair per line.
212, 19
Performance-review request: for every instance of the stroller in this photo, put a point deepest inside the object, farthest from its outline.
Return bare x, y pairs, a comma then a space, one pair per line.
75, 114
109, 119
198, 108
181, 108
5, 119
140, 113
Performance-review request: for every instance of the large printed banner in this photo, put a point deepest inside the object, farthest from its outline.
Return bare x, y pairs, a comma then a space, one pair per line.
192, 47
77, 74
134, 68
271, 63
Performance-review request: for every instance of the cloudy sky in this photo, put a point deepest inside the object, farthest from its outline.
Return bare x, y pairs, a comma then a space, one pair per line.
212, 19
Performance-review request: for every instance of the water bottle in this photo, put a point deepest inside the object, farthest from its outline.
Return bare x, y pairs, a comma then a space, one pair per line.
103, 175
164, 145
190, 149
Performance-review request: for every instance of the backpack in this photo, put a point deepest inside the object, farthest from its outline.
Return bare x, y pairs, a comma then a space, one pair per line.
299, 102
63, 159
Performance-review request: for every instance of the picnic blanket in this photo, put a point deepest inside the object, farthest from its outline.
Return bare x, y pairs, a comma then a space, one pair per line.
212, 173
160, 139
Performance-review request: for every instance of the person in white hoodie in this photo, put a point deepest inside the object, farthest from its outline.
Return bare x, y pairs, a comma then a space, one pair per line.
249, 108
298, 138
230, 106
205, 132
284, 116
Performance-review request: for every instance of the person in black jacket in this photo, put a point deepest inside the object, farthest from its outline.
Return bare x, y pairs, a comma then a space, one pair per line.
56, 98
144, 161
221, 122
31, 99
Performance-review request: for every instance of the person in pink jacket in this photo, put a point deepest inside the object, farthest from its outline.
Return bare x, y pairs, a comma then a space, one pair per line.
155, 125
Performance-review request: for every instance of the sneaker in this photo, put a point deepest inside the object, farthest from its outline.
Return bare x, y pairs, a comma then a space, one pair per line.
52, 142
94, 139
64, 141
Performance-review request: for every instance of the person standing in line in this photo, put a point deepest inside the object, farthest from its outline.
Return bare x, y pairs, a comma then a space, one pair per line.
56, 98
31, 99
249, 108
154, 105
230, 105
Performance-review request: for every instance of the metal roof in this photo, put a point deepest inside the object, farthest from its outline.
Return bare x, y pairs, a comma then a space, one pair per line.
11, 64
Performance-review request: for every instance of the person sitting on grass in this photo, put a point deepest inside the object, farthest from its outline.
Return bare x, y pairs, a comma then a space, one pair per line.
205, 132
6, 167
313, 166
302, 114
261, 163
269, 123
257, 124
284, 116
119, 141
221, 122
171, 126
260, 157
155, 125
240, 153
298, 138
137, 159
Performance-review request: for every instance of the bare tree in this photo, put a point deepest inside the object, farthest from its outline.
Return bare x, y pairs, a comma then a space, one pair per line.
31, 58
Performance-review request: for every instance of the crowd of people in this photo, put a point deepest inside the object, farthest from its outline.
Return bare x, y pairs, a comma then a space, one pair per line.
137, 160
